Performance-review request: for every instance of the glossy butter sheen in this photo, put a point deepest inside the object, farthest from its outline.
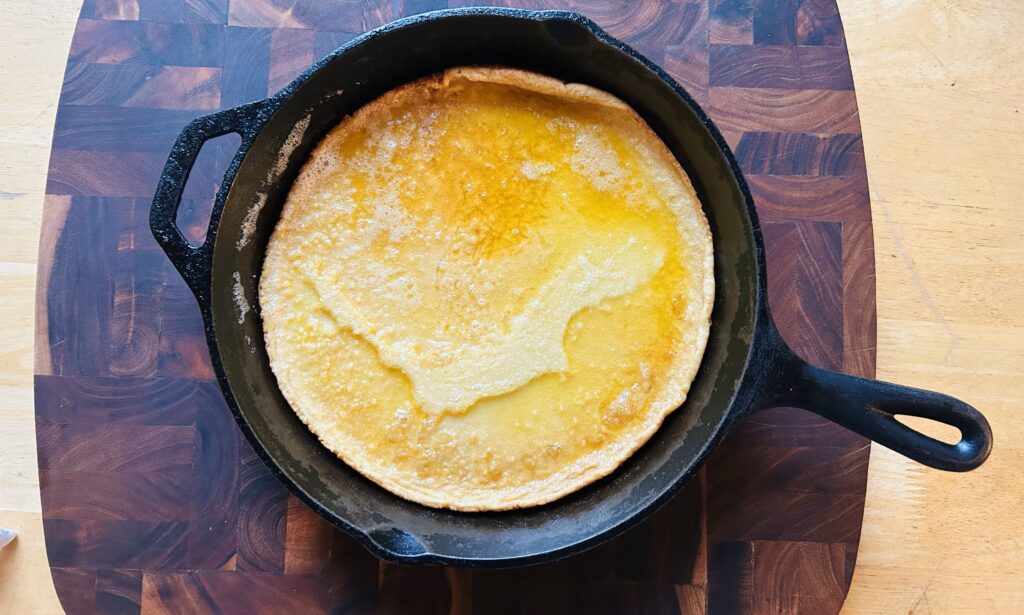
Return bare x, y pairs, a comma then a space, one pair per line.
487, 289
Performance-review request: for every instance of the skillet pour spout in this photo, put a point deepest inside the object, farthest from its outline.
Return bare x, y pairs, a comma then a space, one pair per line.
746, 366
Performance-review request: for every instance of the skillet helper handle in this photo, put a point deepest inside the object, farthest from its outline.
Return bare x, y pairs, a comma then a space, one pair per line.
869, 407
193, 262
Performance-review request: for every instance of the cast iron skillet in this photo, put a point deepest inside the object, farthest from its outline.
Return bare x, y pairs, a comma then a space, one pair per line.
746, 367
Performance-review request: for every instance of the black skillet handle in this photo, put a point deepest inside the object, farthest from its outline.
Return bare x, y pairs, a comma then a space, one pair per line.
193, 262
868, 407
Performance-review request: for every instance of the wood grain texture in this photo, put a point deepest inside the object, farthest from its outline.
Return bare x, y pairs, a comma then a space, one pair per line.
819, 198
769, 153
942, 127
34, 50
821, 112
780, 67
946, 150
118, 591
153, 499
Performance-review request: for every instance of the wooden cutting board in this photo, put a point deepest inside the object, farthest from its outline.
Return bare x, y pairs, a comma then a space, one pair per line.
152, 500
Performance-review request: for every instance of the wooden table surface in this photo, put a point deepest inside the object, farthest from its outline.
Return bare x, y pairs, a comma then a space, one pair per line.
944, 138
149, 497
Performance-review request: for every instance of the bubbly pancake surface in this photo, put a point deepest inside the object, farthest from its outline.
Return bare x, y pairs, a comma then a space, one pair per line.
488, 288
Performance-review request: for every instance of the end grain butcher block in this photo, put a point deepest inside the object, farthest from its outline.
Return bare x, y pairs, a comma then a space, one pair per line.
154, 503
